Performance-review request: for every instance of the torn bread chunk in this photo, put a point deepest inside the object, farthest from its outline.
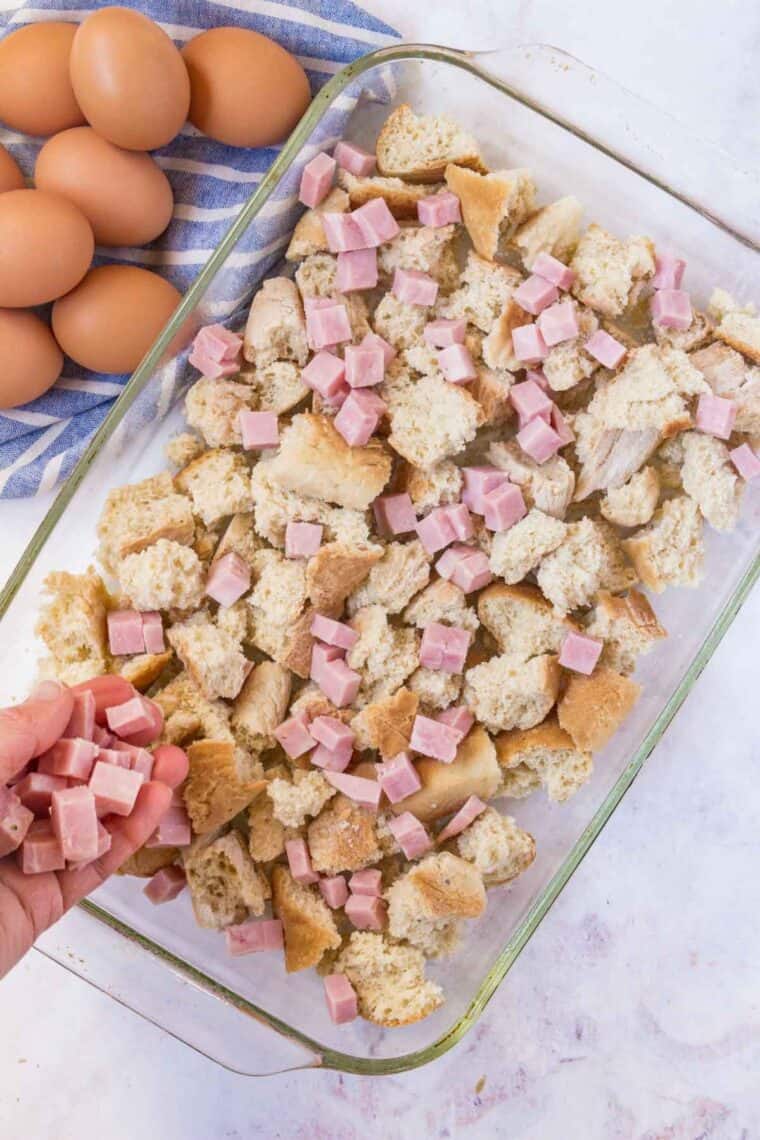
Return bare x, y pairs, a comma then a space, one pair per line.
441, 601
434, 688
607, 269
276, 387
225, 886
724, 369
239, 538
497, 848
483, 294
219, 484
183, 448
553, 229
342, 838
308, 924
316, 276
389, 980
280, 586
386, 724
566, 364
211, 655
426, 903
670, 550
299, 799
699, 333
164, 576
420, 147
337, 570
517, 551
628, 627
498, 347
276, 325
401, 197
145, 669
400, 323
710, 479
72, 624
738, 326
434, 486
521, 620
188, 714
384, 655
274, 507
492, 204
509, 692
423, 248
222, 781
309, 234
588, 558
635, 502
213, 408
592, 708
139, 514
446, 787
261, 705
431, 419
266, 835
402, 572
548, 486
543, 756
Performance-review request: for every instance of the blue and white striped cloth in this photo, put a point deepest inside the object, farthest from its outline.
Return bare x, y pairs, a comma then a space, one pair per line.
41, 441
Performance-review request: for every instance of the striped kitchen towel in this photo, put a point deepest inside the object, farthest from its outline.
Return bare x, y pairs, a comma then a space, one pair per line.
41, 441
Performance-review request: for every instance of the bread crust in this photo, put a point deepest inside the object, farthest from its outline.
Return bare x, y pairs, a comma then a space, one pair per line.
215, 790
592, 708
308, 925
445, 787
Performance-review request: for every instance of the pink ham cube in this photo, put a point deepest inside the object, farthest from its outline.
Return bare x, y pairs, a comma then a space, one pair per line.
580, 653
228, 579
444, 647
71, 758
321, 655
457, 364
553, 270
316, 180
465, 566
746, 461
358, 417
366, 882
41, 850
113, 756
15, 821
558, 323
539, 441
104, 846
129, 718
431, 738
173, 830
330, 761
254, 937
398, 777
299, 861
467, 814
333, 632
504, 506
115, 789
357, 269
455, 650
325, 373
342, 234
218, 343
478, 481
352, 158
125, 632
333, 734
439, 209
669, 271
535, 294
604, 348
671, 309
537, 376
365, 912
35, 792
294, 737
372, 339
529, 401
212, 369
375, 222
302, 540
334, 891
340, 995
75, 822
102, 738
460, 520
715, 416
528, 344
413, 287
457, 717
82, 719
165, 885
443, 333
327, 325
339, 683
410, 835
365, 365
394, 514
435, 530
153, 631
360, 789
259, 430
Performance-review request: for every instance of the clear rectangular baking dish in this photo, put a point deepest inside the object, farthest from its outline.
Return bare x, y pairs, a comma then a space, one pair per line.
636, 171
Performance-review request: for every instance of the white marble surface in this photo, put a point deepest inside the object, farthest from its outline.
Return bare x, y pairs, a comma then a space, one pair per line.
634, 1013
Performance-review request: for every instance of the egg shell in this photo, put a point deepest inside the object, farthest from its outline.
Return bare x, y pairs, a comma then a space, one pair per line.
11, 177
129, 79
111, 319
32, 361
246, 89
46, 245
36, 96
124, 194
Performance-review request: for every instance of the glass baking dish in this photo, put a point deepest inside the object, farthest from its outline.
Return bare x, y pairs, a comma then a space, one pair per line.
636, 171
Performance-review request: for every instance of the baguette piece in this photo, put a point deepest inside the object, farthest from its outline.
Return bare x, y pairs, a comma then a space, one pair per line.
400, 323
425, 903
276, 387
309, 234
509, 692
307, 921
218, 482
444, 602
431, 419
276, 325
635, 502
386, 725
434, 486
147, 860
491, 203
628, 626
670, 551
445, 787
274, 507
424, 248
434, 688
144, 669
337, 570
486, 288
521, 620
498, 348
183, 448
220, 783
72, 623
592, 708
299, 799
240, 538
261, 705
544, 755
213, 408
139, 514
343, 838
225, 886
402, 572
420, 147
266, 835
164, 576
711, 480
607, 269
738, 327
389, 979
497, 847
187, 713
553, 229
517, 551
211, 655
401, 197
385, 655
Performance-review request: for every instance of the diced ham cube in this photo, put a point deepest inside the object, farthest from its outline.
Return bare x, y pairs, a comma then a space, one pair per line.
339, 683
528, 345
115, 789
366, 882
104, 846
455, 649
460, 520
333, 632
580, 653
334, 891
478, 481
302, 539
467, 814
75, 822
166, 884
410, 835
333, 734
414, 287
294, 737
327, 325
529, 400
101, 737
71, 758
605, 348
35, 792
299, 861
15, 821
374, 339
394, 514
329, 760
254, 937
259, 430
558, 323
375, 222
228, 579
457, 717
138, 759
535, 294
537, 376
465, 566
439, 209
559, 424
82, 719
746, 462
108, 690
153, 631
445, 332
113, 756
365, 912
325, 373
365, 365
41, 850
321, 655
504, 506
715, 416
173, 830
444, 647
539, 441
125, 632
316, 180
357, 269
129, 718
398, 777
431, 738
218, 343
358, 417
671, 309
553, 270
435, 530
340, 995
352, 158
457, 364
360, 789
669, 271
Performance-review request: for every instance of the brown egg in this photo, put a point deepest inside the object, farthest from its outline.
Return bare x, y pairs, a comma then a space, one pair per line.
46, 244
246, 89
129, 79
124, 194
32, 361
111, 319
36, 95
11, 177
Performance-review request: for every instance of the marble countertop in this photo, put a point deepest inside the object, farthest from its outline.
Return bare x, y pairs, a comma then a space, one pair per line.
634, 1013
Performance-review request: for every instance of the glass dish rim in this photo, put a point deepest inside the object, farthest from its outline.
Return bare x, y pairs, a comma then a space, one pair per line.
326, 1057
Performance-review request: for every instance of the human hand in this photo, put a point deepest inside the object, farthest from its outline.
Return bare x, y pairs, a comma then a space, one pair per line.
29, 904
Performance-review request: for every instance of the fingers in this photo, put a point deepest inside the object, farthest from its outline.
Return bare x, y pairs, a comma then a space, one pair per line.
126, 836
31, 728
107, 691
170, 765
148, 735
29, 904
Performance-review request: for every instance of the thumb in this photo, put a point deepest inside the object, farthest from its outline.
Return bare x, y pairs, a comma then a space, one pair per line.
28, 729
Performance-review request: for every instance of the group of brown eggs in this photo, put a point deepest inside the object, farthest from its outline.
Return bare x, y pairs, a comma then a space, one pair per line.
107, 92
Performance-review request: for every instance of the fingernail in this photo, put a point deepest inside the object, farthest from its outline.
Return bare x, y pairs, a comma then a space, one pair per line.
47, 691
